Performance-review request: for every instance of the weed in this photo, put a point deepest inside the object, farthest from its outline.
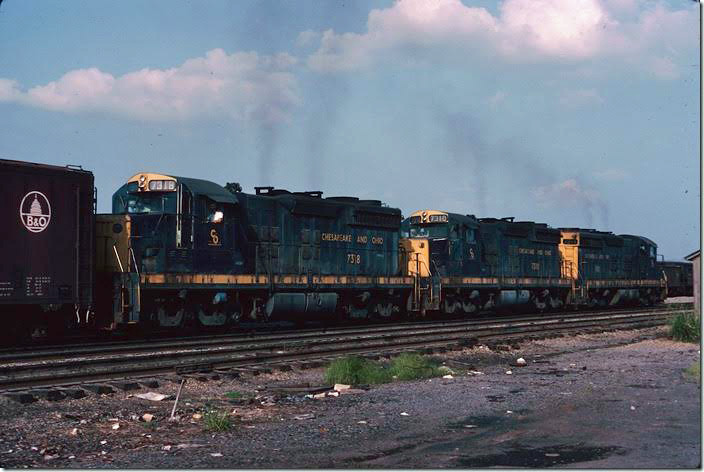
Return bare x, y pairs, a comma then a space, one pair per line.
217, 421
355, 371
410, 366
694, 371
685, 326
234, 395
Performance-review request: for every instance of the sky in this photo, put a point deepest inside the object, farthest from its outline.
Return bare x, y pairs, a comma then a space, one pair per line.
573, 113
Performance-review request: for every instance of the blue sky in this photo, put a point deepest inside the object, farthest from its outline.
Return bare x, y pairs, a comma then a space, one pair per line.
581, 113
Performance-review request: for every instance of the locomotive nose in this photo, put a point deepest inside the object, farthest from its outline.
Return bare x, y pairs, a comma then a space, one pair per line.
416, 253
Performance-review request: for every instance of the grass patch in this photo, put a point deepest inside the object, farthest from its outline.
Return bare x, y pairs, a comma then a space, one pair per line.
694, 371
411, 366
234, 395
356, 371
685, 327
214, 420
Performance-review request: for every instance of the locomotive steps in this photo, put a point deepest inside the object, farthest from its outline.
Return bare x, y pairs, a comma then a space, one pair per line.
79, 367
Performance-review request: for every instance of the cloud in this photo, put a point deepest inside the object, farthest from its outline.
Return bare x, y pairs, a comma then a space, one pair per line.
9, 90
498, 98
243, 86
574, 31
308, 37
581, 97
664, 68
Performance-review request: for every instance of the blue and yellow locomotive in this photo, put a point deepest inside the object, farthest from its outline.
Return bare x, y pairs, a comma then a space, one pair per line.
176, 250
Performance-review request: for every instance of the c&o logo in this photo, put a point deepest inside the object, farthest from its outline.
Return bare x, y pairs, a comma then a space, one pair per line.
35, 212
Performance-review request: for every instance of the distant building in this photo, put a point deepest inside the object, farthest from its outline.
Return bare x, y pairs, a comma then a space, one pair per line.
695, 258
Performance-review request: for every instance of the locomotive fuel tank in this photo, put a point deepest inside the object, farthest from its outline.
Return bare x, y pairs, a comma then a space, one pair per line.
285, 305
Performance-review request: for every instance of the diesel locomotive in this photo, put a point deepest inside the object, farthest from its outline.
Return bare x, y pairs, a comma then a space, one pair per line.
178, 249
181, 252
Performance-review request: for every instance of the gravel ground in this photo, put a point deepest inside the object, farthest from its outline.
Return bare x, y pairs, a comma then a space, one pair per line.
611, 400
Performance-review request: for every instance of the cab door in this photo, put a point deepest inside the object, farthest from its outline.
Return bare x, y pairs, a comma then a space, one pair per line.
214, 238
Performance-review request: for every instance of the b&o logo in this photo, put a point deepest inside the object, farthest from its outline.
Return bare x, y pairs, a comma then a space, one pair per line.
35, 212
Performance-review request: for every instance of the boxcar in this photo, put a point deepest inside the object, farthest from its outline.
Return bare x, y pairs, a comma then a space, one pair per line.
46, 250
679, 277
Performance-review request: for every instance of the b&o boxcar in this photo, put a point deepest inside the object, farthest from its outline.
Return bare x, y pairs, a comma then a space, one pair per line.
46, 275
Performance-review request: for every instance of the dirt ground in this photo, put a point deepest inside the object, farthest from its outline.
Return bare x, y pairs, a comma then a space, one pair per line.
611, 400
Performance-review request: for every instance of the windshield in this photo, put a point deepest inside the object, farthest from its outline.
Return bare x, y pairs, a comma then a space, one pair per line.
429, 231
145, 203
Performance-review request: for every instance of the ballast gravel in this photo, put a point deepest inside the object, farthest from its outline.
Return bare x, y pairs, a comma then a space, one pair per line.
610, 400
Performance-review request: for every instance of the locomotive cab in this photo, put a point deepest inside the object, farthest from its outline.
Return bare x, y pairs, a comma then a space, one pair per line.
179, 224
168, 226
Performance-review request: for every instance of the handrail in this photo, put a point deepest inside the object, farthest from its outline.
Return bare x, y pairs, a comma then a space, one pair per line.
117, 256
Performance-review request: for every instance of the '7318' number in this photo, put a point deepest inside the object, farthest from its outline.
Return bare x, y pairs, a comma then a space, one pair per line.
354, 258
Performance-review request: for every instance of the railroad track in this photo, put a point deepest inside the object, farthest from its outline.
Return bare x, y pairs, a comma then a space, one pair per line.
110, 362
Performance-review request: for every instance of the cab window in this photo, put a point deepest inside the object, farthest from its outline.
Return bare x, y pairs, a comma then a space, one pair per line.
145, 203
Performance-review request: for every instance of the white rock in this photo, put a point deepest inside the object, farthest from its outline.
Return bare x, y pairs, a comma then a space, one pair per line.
197, 416
116, 426
333, 394
341, 387
448, 376
404, 414
73, 432
475, 372
166, 448
361, 422
305, 416
152, 396
508, 412
521, 361
508, 372
319, 395
215, 454
103, 442
632, 407
147, 417
187, 445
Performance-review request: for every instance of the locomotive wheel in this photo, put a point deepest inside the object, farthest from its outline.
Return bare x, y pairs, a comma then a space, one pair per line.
210, 317
166, 318
235, 314
385, 311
